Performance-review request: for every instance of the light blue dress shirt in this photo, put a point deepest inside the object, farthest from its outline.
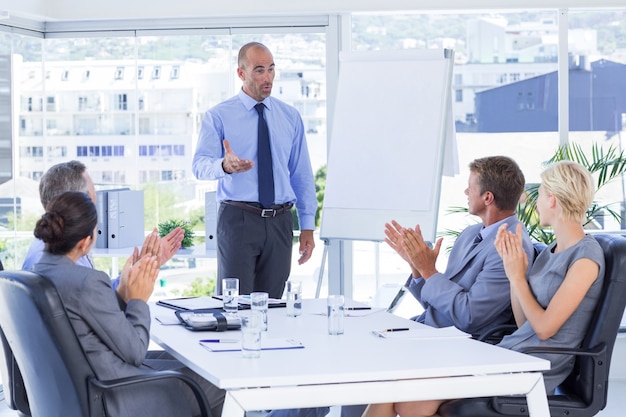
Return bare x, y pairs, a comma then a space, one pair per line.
236, 120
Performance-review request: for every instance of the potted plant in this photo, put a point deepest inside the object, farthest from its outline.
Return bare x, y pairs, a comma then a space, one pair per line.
169, 225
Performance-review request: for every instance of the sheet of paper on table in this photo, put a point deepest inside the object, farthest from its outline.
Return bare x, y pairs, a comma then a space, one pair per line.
230, 345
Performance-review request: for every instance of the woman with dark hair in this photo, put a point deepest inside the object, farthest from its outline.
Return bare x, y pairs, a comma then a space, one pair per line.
113, 327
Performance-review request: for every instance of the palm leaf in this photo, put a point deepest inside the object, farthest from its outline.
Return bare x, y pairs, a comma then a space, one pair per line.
605, 164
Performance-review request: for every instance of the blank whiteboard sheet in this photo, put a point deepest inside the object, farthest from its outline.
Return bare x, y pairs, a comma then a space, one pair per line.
388, 142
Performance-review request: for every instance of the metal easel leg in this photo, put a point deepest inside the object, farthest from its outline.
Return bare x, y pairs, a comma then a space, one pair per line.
321, 275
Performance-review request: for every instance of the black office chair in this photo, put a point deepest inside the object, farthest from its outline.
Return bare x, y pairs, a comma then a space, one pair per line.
12, 383
57, 376
584, 392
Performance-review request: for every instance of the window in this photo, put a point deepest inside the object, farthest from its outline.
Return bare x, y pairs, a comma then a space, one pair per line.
458, 95
166, 176
136, 122
179, 150
51, 104
166, 150
31, 151
82, 103
81, 151
120, 102
175, 73
57, 151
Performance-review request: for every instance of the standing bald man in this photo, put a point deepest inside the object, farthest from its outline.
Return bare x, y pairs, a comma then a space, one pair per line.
255, 146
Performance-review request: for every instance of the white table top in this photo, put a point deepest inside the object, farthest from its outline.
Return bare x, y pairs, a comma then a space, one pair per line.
355, 356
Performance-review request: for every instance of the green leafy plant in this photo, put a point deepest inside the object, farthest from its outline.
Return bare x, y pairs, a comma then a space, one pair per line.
604, 164
169, 225
201, 287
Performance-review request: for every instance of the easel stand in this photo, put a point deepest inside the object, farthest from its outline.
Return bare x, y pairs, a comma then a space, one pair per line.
321, 274
342, 278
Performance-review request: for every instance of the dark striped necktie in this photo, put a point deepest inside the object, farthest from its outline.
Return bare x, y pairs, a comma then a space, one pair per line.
477, 240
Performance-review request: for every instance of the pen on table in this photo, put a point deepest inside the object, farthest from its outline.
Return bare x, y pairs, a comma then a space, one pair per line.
219, 341
401, 329
357, 308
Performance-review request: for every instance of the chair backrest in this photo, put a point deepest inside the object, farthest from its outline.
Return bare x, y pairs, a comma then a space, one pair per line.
584, 381
50, 358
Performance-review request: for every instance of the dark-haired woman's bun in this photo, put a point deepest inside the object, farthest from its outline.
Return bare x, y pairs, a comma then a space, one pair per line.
50, 227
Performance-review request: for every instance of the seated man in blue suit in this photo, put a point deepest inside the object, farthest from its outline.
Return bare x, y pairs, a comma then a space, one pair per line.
472, 294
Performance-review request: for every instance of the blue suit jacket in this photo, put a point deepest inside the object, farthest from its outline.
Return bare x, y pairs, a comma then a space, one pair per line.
473, 293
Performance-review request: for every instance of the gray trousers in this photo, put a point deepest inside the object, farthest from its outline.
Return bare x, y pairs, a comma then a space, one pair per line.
254, 249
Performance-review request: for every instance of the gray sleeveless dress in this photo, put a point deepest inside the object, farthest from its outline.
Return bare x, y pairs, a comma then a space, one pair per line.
545, 278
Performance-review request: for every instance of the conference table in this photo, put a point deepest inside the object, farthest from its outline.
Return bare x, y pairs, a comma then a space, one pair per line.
357, 367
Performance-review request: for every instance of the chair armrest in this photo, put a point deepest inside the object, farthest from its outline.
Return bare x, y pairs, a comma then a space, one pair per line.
488, 336
97, 388
596, 351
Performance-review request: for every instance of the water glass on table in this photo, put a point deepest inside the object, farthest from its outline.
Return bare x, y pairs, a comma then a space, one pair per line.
251, 324
294, 298
230, 295
335, 314
259, 302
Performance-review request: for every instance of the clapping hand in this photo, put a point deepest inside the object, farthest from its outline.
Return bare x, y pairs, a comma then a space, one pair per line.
509, 246
170, 243
394, 232
138, 277
421, 257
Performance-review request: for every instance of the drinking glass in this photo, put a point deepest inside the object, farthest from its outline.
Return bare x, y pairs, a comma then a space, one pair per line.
294, 298
259, 302
335, 314
230, 294
251, 324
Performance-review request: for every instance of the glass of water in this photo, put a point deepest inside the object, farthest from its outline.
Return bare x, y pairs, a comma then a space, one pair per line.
251, 324
294, 298
230, 295
335, 314
259, 302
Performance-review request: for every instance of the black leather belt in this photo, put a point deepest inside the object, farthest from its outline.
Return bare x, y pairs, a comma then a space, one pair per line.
256, 209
